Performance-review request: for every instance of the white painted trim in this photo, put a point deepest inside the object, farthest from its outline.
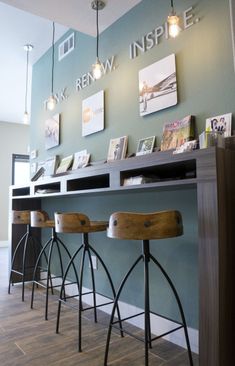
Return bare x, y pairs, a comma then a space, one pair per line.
158, 324
4, 243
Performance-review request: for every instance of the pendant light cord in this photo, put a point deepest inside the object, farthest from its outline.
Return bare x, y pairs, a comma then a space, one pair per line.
97, 29
172, 6
27, 77
52, 60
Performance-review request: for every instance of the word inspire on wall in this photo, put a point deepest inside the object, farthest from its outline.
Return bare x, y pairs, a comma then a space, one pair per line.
152, 38
88, 78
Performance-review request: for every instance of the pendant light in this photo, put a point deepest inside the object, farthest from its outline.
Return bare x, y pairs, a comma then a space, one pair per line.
97, 67
27, 48
51, 101
173, 21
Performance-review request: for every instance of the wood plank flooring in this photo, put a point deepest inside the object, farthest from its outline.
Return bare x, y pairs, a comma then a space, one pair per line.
26, 339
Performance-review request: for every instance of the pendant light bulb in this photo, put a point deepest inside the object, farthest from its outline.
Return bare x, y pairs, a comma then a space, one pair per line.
97, 70
51, 103
27, 48
97, 67
173, 21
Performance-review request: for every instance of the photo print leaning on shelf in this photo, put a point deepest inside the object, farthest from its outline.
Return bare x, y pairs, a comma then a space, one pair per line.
117, 148
80, 160
177, 133
221, 124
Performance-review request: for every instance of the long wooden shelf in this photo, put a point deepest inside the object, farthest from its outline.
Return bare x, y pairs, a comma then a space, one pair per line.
211, 173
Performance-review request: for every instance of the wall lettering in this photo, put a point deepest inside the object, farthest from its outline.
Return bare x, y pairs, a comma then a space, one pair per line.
87, 79
153, 38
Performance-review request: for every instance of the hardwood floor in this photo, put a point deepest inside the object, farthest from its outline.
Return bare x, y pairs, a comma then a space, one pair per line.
26, 339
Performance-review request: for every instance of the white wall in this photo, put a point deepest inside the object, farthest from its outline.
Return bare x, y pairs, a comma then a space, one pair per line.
14, 139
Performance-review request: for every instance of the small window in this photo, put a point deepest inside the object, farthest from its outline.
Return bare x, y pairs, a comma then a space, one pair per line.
66, 46
20, 169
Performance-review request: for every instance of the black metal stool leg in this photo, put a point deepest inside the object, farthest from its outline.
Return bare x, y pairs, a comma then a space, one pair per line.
48, 276
179, 305
80, 301
93, 284
115, 305
42, 252
27, 240
111, 284
71, 263
147, 332
24, 237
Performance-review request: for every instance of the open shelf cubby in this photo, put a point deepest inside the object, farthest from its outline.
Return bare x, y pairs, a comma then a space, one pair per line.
160, 173
91, 182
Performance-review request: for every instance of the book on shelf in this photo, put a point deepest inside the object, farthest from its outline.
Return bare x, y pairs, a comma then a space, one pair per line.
177, 133
139, 179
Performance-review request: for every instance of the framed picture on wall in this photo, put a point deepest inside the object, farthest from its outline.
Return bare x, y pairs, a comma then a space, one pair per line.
158, 86
52, 131
145, 146
93, 114
117, 148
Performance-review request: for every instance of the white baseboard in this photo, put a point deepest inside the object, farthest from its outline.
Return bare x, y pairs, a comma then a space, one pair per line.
4, 243
158, 324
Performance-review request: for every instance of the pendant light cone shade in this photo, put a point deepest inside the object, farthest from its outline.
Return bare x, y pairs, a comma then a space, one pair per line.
173, 22
97, 67
27, 48
52, 101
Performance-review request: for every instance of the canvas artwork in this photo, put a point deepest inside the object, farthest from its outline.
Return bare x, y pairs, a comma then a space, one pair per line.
93, 114
158, 86
117, 148
52, 131
221, 124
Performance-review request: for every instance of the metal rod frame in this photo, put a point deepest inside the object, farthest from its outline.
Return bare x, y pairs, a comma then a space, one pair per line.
146, 256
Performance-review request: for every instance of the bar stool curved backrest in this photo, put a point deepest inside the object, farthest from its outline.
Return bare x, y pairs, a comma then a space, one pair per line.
79, 223
41, 219
145, 227
19, 265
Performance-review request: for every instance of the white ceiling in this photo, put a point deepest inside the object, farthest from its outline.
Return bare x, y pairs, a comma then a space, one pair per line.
29, 21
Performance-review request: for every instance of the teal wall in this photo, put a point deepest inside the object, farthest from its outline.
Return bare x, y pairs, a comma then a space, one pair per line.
205, 88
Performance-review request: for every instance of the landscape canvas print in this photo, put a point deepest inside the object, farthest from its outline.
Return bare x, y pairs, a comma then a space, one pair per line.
158, 86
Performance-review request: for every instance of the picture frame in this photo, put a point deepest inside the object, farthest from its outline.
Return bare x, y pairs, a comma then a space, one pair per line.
117, 148
81, 159
52, 132
145, 146
158, 86
65, 164
221, 124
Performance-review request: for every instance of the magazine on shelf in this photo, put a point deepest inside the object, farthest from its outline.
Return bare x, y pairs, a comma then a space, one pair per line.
177, 133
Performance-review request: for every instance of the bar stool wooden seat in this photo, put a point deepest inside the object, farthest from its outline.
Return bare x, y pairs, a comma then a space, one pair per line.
145, 227
80, 224
20, 263
40, 219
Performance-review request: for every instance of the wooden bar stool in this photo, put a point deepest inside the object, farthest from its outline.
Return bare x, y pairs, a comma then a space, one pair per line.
145, 227
80, 224
19, 264
40, 219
